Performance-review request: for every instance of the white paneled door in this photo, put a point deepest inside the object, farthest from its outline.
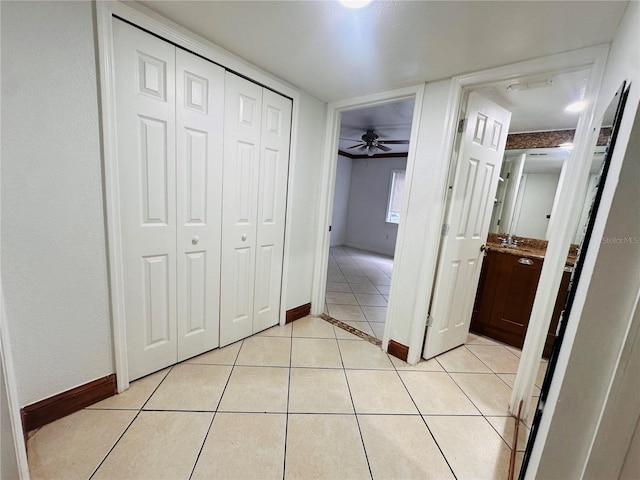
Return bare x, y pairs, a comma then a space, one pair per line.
169, 128
469, 215
256, 159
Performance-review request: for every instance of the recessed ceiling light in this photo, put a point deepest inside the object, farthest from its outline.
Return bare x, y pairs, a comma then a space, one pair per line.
355, 3
576, 106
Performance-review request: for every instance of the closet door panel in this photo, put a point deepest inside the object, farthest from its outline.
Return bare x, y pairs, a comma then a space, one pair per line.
145, 92
199, 132
242, 127
272, 201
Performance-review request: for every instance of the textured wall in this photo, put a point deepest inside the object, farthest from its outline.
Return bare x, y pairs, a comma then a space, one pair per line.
53, 236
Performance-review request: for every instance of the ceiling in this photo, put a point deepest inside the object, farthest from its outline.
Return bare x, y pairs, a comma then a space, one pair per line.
335, 53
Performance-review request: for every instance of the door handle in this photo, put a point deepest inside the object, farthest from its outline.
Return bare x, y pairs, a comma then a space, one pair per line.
483, 248
244, 237
195, 240
525, 261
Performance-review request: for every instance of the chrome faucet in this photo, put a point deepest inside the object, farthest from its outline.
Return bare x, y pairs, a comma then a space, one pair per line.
508, 242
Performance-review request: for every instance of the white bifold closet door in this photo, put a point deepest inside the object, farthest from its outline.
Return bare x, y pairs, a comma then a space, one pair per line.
170, 107
256, 160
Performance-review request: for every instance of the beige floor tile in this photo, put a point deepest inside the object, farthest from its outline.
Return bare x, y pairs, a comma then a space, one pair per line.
475, 339
341, 298
312, 327
347, 313
342, 334
542, 370
363, 355
378, 329
358, 279
277, 331
471, 446
315, 352
531, 411
243, 446
510, 379
158, 445
265, 351
314, 390
338, 287
375, 314
401, 447
430, 365
256, 389
74, 446
436, 394
190, 387
220, 356
379, 391
497, 358
505, 426
336, 278
364, 288
362, 326
486, 391
134, 397
461, 360
371, 300
383, 289
324, 447
516, 351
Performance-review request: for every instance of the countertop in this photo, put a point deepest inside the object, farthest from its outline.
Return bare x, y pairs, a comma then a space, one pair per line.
528, 248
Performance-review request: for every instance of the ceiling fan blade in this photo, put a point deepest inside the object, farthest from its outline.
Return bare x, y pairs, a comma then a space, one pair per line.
383, 148
351, 139
363, 148
354, 146
395, 142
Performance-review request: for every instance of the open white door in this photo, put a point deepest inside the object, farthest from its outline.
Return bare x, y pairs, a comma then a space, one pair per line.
473, 192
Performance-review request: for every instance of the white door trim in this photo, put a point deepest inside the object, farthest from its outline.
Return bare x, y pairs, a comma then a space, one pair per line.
327, 188
592, 59
158, 25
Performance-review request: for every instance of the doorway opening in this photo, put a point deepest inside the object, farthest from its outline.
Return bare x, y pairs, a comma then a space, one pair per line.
371, 164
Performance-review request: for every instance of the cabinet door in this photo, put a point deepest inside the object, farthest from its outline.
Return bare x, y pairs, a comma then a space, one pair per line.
515, 292
145, 101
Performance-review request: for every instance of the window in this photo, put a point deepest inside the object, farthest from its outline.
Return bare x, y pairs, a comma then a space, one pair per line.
395, 196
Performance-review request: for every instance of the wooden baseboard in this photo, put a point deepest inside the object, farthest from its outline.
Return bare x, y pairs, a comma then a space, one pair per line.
298, 312
398, 350
46, 411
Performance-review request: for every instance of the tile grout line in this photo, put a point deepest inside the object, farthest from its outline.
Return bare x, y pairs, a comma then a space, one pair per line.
129, 425
424, 420
355, 413
206, 436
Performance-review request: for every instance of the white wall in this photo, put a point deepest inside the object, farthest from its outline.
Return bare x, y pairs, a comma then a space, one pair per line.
54, 268
538, 190
304, 202
341, 201
605, 297
53, 235
368, 198
8, 455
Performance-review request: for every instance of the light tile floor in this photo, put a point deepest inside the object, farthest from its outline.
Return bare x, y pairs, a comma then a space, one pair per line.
358, 285
307, 400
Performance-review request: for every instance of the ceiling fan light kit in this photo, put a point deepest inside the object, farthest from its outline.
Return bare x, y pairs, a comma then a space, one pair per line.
371, 143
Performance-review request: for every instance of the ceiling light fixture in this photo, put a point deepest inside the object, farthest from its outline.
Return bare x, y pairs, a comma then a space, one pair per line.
355, 3
566, 146
530, 84
576, 106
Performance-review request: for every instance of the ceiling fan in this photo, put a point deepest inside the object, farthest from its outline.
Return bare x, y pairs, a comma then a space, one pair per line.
371, 143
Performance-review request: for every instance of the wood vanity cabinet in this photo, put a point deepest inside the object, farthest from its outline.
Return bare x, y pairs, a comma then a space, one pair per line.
505, 296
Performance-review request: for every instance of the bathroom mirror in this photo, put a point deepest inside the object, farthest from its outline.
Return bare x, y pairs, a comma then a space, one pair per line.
529, 184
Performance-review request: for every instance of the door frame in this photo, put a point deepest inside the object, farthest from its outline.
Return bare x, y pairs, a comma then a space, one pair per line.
150, 21
561, 229
327, 188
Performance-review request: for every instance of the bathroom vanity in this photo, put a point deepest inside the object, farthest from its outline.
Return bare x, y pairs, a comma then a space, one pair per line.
507, 289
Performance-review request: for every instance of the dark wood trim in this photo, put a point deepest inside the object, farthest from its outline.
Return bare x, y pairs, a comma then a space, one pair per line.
298, 312
380, 155
398, 350
46, 411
